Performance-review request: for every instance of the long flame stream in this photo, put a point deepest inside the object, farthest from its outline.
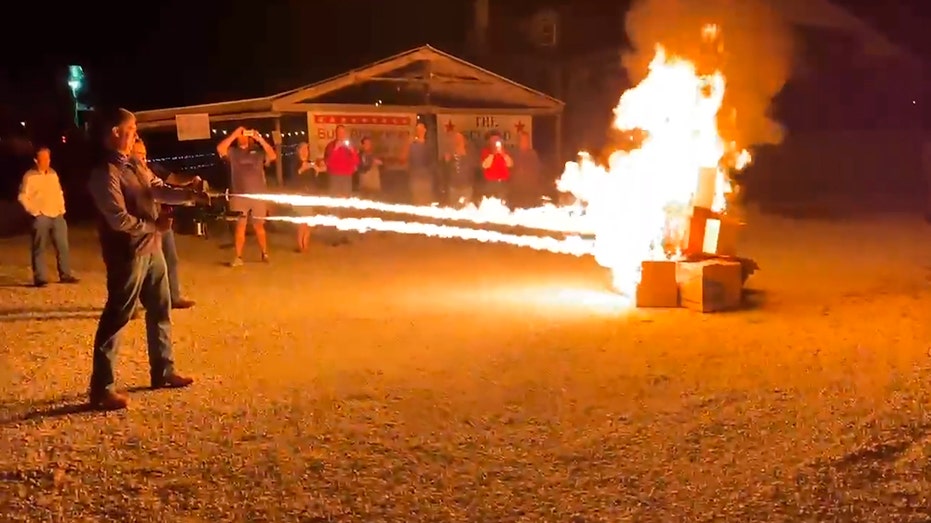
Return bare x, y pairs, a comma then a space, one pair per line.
491, 211
573, 245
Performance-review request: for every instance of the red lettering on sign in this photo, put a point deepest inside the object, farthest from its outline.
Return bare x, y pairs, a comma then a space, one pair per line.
488, 122
362, 119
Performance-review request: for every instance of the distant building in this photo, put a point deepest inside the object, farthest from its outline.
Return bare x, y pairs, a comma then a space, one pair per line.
568, 49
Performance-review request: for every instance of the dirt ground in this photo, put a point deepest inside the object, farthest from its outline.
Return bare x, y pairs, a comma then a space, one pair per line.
406, 379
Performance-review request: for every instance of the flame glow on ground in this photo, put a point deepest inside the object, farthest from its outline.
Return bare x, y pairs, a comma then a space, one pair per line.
633, 206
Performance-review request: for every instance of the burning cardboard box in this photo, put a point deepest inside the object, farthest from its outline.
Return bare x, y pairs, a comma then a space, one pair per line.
710, 285
707, 188
712, 233
721, 236
658, 286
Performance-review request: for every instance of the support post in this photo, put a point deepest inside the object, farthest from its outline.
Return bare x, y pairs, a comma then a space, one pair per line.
428, 87
428, 81
279, 163
558, 139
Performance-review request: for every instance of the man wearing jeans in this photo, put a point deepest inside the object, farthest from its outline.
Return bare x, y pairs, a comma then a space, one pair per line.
41, 196
169, 248
127, 200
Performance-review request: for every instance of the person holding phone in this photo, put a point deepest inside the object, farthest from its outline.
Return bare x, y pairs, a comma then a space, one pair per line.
341, 160
247, 176
496, 167
305, 182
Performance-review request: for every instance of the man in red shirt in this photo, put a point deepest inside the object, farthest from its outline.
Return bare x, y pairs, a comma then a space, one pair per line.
496, 166
341, 160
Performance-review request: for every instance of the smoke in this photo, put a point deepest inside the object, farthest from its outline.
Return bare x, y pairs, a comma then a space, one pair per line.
753, 51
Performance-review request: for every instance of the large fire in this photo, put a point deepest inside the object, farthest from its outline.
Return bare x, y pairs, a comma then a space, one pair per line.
640, 202
637, 207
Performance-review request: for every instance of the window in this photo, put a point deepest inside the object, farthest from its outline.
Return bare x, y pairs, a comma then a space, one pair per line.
548, 36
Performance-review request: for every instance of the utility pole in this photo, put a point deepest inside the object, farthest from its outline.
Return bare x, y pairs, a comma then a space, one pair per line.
480, 26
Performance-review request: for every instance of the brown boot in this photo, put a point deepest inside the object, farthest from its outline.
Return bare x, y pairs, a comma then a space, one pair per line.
182, 304
172, 381
108, 400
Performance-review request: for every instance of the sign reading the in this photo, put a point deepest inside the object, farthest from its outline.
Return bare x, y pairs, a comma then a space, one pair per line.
389, 132
476, 126
193, 126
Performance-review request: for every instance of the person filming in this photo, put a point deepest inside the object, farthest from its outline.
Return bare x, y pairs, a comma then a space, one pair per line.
247, 176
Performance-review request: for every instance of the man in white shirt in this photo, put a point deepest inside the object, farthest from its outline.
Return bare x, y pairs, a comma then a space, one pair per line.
41, 196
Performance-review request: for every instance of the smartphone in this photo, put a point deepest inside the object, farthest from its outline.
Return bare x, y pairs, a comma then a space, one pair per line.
498, 144
249, 134
346, 143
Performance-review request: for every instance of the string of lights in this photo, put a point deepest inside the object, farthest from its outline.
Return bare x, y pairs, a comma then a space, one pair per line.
266, 135
287, 150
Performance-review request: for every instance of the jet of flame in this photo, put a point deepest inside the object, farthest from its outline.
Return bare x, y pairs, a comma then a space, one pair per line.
491, 211
634, 200
572, 245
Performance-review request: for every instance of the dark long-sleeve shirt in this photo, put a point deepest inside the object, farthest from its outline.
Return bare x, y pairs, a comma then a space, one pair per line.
127, 198
527, 169
461, 169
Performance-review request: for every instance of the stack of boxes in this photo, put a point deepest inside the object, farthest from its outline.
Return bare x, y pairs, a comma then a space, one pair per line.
711, 279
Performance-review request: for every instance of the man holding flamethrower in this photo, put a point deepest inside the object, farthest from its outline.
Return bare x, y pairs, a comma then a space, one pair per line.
130, 226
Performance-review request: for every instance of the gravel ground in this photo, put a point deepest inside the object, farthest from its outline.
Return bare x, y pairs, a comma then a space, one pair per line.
406, 379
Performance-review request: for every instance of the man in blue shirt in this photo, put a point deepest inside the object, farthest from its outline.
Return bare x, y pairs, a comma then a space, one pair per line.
127, 200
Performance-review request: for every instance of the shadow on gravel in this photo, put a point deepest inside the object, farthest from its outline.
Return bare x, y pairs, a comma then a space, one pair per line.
20, 412
10, 281
753, 299
44, 314
74, 405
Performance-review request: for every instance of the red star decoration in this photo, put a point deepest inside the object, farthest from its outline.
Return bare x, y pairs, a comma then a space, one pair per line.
520, 127
450, 126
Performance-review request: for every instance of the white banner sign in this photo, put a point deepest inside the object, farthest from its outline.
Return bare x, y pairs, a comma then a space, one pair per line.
193, 126
476, 126
389, 132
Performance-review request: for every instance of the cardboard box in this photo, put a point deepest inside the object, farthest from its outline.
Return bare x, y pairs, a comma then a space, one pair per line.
720, 236
707, 186
695, 243
712, 233
658, 286
710, 285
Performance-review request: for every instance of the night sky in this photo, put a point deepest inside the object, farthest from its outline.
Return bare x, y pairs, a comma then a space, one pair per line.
178, 52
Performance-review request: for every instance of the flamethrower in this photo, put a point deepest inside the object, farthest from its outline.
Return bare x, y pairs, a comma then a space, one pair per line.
214, 209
